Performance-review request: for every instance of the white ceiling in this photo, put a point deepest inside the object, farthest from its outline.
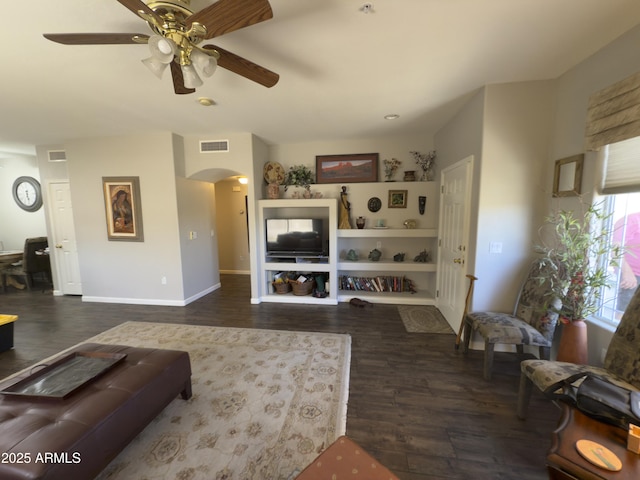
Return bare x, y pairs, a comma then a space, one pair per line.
341, 70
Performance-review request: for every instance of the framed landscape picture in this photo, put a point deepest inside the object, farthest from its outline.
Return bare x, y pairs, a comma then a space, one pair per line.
362, 167
123, 208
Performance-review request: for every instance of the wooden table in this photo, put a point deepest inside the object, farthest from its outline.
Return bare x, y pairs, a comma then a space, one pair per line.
7, 257
564, 462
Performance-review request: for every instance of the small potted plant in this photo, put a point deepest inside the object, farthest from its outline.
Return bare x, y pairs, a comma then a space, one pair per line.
426, 162
390, 167
299, 176
575, 253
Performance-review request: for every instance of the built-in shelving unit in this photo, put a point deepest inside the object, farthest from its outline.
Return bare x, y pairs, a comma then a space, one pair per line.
390, 242
298, 208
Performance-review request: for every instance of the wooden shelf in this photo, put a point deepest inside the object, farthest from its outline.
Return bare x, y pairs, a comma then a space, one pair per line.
388, 233
369, 266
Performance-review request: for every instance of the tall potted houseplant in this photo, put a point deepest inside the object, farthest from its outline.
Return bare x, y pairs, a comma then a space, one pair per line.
577, 253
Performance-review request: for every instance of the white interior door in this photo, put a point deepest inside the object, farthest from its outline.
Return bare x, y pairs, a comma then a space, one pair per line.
63, 247
455, 199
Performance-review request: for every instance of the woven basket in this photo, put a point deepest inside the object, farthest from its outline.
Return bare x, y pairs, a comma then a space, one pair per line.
282, 287
303, 288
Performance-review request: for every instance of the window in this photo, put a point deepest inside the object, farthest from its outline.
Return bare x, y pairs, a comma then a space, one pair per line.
625, 215
625, 230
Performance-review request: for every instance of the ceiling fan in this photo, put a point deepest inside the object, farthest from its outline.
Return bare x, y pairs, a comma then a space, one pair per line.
176, 38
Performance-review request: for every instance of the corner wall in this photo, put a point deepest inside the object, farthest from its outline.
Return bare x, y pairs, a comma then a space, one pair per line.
611, 64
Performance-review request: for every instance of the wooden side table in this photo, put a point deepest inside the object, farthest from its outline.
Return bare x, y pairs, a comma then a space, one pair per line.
565, 463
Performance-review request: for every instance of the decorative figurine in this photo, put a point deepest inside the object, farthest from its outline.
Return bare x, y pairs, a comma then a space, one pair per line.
374, 255
422, 202
422, 257
345, 208
410, 223
398, 257
352, 255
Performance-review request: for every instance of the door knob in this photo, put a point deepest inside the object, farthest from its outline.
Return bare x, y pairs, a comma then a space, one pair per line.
457, 260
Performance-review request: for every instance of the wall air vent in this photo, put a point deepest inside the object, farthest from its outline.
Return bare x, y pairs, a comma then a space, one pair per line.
214, 146
57, 155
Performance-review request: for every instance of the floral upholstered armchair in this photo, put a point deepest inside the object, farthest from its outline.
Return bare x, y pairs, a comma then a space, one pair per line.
532, 322
621, 363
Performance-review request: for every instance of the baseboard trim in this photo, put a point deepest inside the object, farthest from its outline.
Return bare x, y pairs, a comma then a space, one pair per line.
152, 301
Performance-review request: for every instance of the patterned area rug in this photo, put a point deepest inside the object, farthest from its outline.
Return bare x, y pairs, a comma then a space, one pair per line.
265, 403
423, 319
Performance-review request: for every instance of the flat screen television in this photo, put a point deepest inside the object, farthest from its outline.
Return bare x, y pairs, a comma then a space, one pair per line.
291, 237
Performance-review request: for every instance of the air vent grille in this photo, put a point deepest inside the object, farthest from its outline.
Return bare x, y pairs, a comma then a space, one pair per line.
57, 155
214, 146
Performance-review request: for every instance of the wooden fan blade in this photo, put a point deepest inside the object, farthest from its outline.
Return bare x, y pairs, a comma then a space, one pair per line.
138, 6
225, 16
244, 67
96, 38
178, 80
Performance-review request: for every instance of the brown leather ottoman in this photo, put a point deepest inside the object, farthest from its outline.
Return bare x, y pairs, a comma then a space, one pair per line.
76, 437
345, 459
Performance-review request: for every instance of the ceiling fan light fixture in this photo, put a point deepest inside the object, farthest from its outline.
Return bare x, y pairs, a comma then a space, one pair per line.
157, 67
207, 64
191, 77
161, 48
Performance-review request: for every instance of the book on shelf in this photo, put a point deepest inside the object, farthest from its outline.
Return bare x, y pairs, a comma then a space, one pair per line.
386, 283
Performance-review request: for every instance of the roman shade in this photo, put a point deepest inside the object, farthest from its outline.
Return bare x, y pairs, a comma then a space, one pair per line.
621, 169
613, 114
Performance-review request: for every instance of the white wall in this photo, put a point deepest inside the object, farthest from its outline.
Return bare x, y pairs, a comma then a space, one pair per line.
613, 63
506, 128
510, 206
387, 147
198, 247
127, 271
16, 224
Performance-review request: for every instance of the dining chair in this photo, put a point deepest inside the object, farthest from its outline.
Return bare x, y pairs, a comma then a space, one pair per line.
32, 262
532, 321
621, 363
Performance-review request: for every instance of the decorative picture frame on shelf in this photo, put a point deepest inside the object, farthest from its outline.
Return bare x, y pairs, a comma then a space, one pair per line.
567, 177
356, 168
123, 208
397, 199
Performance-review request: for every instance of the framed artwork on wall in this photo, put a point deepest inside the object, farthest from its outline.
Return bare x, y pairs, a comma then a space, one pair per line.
567, 178
397, 199
123, 208
362, 167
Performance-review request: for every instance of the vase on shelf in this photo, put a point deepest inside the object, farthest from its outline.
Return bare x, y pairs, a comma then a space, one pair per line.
360, 222
273, 191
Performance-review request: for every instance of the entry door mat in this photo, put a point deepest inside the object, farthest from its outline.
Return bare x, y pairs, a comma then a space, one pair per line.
423, 319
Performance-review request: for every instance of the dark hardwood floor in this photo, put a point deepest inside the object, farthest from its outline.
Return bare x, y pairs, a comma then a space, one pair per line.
415, 403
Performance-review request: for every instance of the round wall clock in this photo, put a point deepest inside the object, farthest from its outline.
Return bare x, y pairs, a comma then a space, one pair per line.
27, 193
374, 204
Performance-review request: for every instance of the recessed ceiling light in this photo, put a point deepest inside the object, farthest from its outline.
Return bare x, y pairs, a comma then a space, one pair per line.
392, 116
206, 102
